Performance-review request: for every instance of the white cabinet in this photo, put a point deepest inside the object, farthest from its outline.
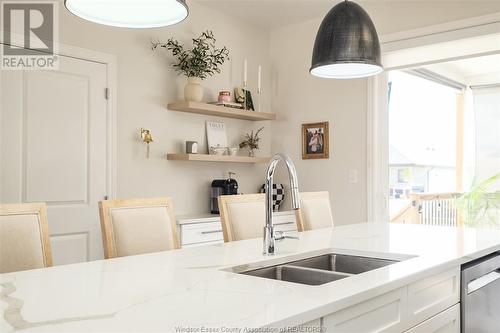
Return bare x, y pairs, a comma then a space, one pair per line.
205, 230
447, 321
196, 233
383, 313
428, 305
433, 295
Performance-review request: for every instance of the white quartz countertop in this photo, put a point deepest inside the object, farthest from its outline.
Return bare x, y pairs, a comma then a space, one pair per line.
192, 288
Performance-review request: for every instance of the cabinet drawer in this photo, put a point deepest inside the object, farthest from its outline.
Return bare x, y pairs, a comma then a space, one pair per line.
201, 233
447, 321
384, 313
432, 295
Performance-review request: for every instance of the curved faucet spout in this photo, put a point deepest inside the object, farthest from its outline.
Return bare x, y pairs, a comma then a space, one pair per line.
269, 234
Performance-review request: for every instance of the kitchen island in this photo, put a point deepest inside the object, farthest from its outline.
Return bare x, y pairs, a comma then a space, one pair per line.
197, 289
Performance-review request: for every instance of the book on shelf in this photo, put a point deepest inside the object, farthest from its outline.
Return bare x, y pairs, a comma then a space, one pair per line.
228, 104
216, 134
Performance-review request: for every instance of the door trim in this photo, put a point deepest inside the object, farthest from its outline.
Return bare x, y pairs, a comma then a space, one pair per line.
397, 44
110, 61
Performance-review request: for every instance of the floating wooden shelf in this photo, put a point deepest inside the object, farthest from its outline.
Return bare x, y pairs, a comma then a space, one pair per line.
217, 158
220, 111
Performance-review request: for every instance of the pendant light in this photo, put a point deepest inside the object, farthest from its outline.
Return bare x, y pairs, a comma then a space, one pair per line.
346, 45
130, 13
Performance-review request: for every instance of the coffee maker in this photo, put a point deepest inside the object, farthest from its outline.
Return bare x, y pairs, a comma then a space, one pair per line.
222, 187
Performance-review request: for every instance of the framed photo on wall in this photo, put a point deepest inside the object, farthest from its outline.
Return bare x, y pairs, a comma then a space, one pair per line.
315, 140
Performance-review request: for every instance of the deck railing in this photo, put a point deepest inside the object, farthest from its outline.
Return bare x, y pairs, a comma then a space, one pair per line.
430, 209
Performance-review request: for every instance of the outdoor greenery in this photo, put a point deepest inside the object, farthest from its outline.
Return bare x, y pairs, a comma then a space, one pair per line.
481, 204
201, 61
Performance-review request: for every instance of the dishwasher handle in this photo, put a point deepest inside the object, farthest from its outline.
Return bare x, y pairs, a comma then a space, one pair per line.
483, 281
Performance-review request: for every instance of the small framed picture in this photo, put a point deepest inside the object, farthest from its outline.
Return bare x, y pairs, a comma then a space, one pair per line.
315, 140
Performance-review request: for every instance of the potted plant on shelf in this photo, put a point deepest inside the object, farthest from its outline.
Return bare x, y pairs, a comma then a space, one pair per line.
251, 141
197, 63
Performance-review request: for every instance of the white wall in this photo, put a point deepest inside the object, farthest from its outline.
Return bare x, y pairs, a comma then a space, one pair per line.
300, 98
146, 83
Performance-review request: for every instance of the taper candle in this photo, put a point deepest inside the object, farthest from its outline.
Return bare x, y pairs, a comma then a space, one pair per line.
245, 72
259, 81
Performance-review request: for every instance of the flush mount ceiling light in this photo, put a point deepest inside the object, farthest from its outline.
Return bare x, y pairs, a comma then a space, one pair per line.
130, 13
346, 45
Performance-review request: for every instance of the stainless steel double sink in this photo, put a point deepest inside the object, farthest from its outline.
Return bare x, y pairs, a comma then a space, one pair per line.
320, 269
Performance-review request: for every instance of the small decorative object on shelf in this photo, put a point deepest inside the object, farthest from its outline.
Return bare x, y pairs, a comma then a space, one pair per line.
224, 96
198, 63
228, 104
217, 151
232, 151
251, 141
278, 195
244, 96
147, 138
193, 90
191, 147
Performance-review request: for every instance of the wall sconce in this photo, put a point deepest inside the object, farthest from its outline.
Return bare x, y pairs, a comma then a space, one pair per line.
147, 138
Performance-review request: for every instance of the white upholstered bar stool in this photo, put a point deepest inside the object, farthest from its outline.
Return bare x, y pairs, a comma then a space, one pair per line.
315, 211
242, 216
24, 237
137, 226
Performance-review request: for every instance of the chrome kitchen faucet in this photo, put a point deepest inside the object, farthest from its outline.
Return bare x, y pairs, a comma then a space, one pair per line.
269, 233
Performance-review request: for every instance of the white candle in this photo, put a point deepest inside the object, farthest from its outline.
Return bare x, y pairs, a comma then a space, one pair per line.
245, 72
259, 81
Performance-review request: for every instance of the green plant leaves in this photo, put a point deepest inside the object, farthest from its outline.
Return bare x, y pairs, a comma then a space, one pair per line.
481, 203
252, 140
201, 61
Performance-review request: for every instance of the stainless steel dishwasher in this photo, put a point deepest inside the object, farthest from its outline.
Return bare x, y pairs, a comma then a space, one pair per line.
480, 295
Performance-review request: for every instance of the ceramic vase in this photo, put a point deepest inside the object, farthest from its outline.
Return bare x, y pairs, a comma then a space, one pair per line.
193, 91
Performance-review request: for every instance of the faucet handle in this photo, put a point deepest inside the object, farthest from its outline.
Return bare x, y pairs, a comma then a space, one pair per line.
280, 235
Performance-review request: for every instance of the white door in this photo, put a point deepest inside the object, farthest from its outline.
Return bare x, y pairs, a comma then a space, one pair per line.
53, 150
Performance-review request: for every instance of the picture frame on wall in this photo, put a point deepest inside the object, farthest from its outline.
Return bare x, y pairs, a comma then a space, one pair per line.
315, 140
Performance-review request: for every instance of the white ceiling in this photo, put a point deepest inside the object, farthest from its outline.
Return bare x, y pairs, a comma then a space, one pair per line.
407, 14
271, 14
478, 70
475, 66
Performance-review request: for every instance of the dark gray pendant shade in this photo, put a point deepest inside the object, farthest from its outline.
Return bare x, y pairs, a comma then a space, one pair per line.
347, 44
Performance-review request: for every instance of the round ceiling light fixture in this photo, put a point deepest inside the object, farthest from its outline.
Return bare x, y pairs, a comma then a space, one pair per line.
130, 13
346, 45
